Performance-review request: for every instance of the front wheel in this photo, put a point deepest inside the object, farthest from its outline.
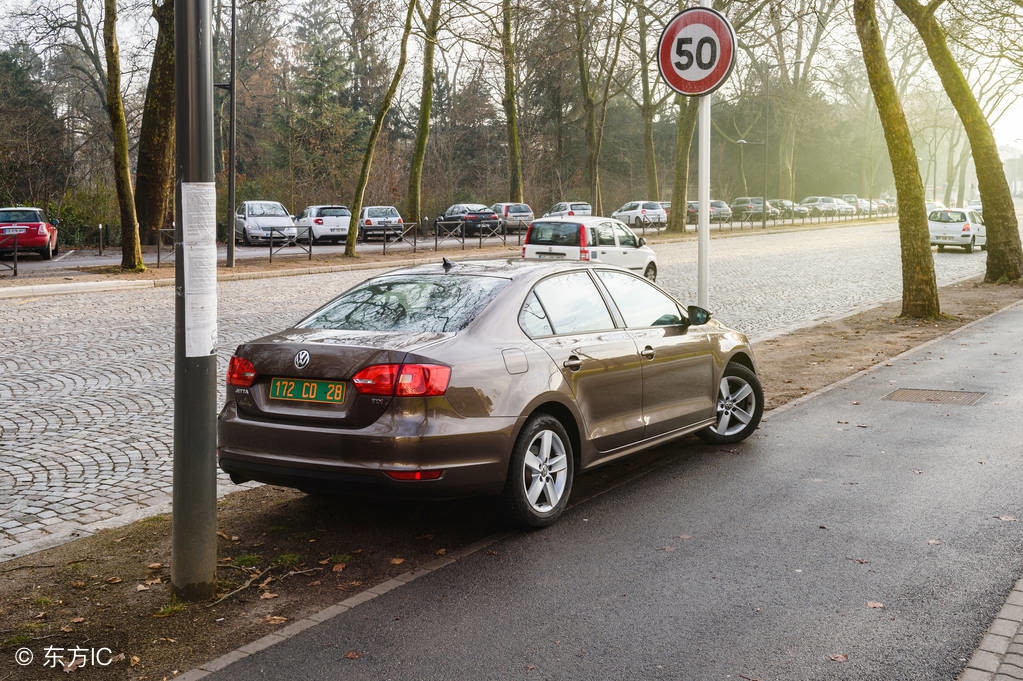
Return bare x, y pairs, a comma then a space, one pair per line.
740, 404
650, 272
540, 473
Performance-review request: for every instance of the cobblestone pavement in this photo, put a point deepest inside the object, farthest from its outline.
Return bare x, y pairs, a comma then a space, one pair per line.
86, 399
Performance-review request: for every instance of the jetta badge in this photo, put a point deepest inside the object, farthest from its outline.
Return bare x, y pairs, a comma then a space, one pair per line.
302, 359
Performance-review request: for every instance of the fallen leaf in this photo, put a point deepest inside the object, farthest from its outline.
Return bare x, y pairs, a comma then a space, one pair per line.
339, 567
77, 620
266, 595
441, 552
155, 566
492, 552
875, 605
223, 535
39, 616
168, 640
862, 425
933, 542
353, 655
918, 471
861, 561
397, 561
119, 657
77, 585
311, 541
274, 619
669, 549
141, 587
73, 665
685, 536
266, 581
119, 540
114, 580
325, 561
316, 583
135, 659
154, 580
1006, 518
839, 657
66, 629
226, 559
856, 402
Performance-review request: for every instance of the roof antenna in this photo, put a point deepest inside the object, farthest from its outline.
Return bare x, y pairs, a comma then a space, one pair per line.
447, 264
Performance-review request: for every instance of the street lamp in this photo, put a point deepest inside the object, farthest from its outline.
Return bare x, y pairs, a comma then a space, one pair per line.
766, 77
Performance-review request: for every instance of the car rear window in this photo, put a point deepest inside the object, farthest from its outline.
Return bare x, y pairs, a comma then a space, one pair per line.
581, 206
518, 208
421, 304
336, 212
19, 216
381, 212
554, 234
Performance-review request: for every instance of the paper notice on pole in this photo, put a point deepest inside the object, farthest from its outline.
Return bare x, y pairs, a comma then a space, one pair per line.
199, 260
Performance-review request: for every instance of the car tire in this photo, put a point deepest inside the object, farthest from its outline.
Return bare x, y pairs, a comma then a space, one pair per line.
969, 247
941, 248
740, 405
540, 473
245, 237
650, 272
47, 251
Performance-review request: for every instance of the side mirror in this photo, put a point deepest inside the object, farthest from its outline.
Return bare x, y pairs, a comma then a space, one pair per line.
697, 315
642, 242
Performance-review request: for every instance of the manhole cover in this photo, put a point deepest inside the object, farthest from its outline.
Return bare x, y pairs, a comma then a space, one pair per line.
962, 397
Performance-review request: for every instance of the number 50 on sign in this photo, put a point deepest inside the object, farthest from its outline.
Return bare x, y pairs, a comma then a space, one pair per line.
697, 51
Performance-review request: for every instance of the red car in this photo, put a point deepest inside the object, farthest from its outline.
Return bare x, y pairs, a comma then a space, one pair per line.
29, 229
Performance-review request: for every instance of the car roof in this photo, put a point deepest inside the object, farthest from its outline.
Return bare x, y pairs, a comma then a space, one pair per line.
511, 268
328, 205
577, 219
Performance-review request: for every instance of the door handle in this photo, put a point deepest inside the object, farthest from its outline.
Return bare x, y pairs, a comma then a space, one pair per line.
573, 363
647, 352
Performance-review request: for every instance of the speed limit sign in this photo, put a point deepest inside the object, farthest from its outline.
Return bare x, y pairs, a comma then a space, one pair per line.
696, 51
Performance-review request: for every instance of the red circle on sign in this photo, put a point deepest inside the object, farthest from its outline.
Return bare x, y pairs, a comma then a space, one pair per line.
688, 21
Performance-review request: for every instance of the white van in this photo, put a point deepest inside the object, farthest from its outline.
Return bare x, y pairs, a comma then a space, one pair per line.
589, 238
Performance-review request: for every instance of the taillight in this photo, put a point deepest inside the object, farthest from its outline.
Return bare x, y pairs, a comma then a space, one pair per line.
584, 251
571, 212
240, 372
41, 230
403, 380
318, 221
966, 227
399, 221
529, 231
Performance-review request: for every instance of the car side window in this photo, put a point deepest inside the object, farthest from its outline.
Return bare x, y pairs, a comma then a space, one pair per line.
641, 304
605, 234
573, 304
625, 237
533, 319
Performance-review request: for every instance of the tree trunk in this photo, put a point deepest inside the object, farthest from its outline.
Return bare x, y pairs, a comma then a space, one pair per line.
919, 287
511, 114
1005, 256
131, 250
688, 112
415, 179
374, 135
154, 191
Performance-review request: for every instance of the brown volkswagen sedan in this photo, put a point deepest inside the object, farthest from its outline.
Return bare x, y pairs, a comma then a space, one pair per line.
494, 378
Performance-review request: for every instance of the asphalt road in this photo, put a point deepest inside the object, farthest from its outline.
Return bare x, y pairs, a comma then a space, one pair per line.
86, 400
853, 537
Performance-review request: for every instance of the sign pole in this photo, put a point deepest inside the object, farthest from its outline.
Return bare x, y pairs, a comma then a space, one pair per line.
194, 539
695, 56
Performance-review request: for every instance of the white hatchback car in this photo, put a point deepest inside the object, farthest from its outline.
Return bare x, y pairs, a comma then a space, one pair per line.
641, 212
327, 223
263, 221
570, 208
961, 227
589, 238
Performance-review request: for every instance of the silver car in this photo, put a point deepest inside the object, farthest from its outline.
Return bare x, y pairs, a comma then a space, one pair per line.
263, 221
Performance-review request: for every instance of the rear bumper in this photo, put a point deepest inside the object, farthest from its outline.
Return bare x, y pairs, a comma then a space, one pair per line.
473, 454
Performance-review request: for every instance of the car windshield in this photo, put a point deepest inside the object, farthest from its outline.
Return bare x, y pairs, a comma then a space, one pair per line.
381, 212
335, 212
18, 216
267, 210
554, 234
406, 303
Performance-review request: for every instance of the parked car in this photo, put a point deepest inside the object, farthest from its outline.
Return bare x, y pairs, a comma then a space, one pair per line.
852, 200
844, 208
380, 221
930, 206
535, 371
637, 213
788, 209
821, 205
752, 207
514, 216
569, 208
976, 205
692, 212
962, 227
589, 238
719, 212
325, 223
471, 219
29, 230
666, 205
263, 221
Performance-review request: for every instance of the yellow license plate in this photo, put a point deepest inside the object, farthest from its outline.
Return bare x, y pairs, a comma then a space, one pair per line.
301, 390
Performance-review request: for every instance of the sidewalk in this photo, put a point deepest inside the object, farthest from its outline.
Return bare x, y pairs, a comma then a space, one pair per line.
889, 488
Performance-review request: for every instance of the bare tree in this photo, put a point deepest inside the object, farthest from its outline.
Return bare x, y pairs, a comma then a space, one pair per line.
919, 286
1005, 257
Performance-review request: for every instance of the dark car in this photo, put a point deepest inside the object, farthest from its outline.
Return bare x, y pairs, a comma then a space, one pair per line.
752, 208
789, 209
483, 378
29, 231
472, 219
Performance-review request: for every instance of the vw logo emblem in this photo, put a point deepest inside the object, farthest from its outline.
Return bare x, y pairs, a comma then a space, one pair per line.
302, 359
